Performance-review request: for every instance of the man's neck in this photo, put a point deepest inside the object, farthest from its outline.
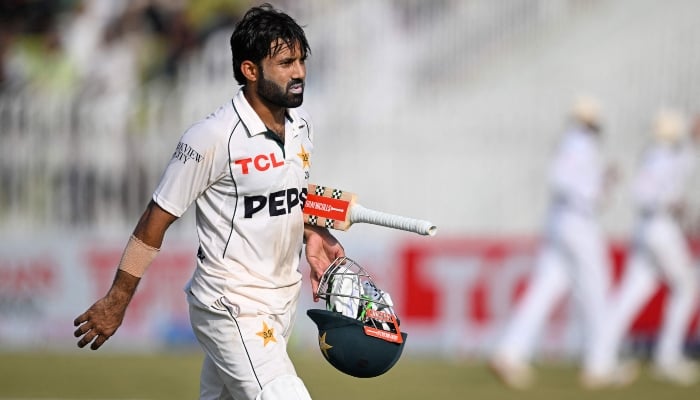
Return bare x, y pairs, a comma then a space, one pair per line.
272, 116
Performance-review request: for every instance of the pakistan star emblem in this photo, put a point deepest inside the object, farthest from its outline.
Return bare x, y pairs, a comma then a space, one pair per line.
268, 334
323, 345
304, 158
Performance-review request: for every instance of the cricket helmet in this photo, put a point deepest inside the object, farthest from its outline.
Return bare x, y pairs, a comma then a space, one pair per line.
669, 126
359, 332
586, 110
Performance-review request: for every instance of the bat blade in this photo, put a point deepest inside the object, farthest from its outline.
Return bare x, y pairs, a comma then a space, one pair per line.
328, 207
338, 209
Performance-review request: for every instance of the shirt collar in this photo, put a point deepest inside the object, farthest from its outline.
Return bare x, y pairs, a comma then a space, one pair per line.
250, 118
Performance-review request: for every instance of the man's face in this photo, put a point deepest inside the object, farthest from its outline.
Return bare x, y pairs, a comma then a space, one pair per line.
282, 77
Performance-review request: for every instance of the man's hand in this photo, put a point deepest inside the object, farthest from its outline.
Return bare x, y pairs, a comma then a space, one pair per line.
102, 319
321, 249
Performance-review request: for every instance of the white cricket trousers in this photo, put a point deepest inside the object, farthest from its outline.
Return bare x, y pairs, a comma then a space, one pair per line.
245, 354
659, 253
573, 258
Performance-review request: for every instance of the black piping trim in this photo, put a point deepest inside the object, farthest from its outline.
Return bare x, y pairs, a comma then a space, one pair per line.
230, 171
308, 129
250, 361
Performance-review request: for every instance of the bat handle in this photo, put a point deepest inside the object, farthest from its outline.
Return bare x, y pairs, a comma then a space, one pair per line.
359, 213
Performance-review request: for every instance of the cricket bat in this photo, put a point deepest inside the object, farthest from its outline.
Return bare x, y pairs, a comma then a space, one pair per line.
338, 209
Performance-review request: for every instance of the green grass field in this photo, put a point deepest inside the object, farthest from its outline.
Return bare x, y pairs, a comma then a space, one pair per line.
175, 376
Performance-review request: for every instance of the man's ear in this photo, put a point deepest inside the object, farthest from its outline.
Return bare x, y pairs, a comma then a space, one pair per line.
250, 71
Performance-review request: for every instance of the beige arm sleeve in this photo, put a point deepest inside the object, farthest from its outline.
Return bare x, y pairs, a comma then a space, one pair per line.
137, 257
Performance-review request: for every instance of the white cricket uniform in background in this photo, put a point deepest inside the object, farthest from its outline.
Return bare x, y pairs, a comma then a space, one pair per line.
573, 254
248, 188
659, 252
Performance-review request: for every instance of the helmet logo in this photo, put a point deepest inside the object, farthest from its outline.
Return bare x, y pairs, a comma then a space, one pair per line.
268, 334
384, 334
323, 345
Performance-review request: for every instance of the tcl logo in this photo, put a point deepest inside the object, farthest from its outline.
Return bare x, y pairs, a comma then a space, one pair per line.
261, 162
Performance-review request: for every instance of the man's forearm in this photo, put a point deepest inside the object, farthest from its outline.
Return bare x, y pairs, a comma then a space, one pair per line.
123, 288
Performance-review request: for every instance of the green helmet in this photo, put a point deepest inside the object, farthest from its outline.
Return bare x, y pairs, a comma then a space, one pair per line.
359, 331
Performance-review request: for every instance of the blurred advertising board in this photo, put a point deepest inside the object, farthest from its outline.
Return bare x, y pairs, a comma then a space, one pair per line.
452, 294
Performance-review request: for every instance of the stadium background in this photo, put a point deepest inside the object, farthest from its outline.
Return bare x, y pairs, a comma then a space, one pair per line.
445, 110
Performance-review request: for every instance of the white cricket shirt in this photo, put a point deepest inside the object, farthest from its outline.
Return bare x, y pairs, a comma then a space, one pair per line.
248, 189
576, 173
662, 176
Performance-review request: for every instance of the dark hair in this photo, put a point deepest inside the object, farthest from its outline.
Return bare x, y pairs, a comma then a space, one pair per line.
260, 27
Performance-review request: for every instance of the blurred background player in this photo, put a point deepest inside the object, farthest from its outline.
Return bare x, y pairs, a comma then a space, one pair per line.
659, 251
573, 255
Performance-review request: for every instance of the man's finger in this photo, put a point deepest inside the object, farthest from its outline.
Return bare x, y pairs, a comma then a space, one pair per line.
80, 319
314, 289
99, 342
82, 329
89, 336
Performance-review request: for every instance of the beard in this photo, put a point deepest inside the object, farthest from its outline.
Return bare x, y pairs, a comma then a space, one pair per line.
281, 97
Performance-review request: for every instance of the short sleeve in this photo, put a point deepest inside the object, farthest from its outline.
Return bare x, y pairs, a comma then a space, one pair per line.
200, 158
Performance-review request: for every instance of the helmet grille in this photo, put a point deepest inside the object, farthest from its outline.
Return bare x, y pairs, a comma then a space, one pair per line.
348, 289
